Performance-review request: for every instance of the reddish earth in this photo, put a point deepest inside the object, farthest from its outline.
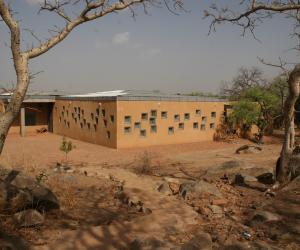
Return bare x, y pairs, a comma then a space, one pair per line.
92, 218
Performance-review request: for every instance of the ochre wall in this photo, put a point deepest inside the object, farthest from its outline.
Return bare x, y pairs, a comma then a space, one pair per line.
88, 124
41, 111
134, 109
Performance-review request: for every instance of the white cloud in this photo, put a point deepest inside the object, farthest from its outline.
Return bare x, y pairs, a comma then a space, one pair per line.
121, 38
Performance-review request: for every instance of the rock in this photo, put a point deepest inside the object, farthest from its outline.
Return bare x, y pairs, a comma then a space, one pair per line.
174, 188
202, 241
262, 217
24, 191
248, 149
216, 210
28, 218
200, 188
266, 178
13, 199
249, 181
165, 188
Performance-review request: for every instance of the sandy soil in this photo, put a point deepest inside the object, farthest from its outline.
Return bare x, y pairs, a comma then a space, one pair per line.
92, 218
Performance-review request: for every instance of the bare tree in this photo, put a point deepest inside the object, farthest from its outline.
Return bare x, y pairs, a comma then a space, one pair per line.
89, 10
245, 79
248, 15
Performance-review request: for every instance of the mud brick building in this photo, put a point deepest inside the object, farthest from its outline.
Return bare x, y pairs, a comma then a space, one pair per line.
123, 119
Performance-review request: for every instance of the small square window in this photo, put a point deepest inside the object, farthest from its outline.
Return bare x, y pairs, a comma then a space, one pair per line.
84, 121
95, 127
64, 108
154, 113
62, 113
82, 112
164, 114
195, 125
127, 119
153, 129
65, 121
72, 115
204, 119
144, 116
137, 125
78, 109
79, 116
181, 125
96, 120
143, 133
97, 112
67, 112
213, 114
186, 116
112, 118
68, 124
198, 112
103, 112
104, 123
212, 125
127, 130
202, 126
108, 134
171, 130
176, 118
89, 125
59, 119
152, 121
75, 120
92, 116
81, 125
75, 109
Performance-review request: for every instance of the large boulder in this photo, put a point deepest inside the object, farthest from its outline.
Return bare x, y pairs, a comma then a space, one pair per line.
199, 188
19, 191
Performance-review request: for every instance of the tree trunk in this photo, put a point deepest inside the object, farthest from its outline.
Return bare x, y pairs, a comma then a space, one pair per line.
14, 106
283, 171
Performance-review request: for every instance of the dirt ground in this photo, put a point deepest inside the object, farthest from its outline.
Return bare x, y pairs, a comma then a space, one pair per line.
92, 217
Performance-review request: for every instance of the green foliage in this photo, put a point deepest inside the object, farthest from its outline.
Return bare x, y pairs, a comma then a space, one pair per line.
66, 147
257, 106
41, 177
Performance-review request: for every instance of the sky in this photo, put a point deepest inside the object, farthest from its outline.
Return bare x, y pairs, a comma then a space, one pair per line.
154, 51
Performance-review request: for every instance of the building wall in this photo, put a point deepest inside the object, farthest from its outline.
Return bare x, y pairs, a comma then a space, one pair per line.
174, 122
90, 121
36, 116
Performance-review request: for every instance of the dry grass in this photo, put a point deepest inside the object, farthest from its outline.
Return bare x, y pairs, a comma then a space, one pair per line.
144, 164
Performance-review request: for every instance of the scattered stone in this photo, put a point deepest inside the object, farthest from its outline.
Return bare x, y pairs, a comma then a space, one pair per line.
248, 149
149, 243
202, 241
174, 188
165, 188
29, 218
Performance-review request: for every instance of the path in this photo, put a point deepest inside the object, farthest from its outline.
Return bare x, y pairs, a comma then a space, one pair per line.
169, 216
